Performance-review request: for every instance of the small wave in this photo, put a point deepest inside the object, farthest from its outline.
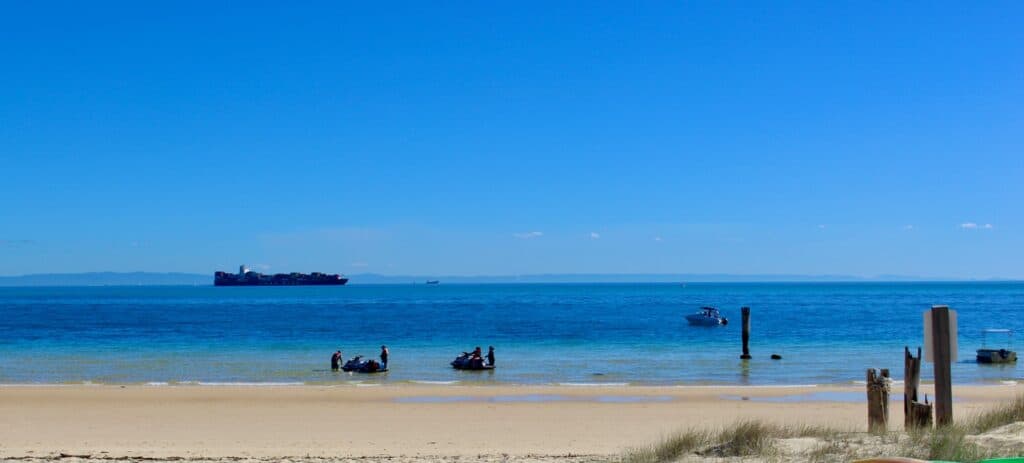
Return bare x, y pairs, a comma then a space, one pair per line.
367, 384
1009, 383
436, 383
35, 385
216, 383
158, 383
593, 384
865, 383
744, 386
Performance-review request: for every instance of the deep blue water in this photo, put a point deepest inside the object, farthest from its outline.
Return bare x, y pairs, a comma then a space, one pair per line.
544, 333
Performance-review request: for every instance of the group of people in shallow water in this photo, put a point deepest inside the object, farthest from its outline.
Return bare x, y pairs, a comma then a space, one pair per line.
475, 360
358, 364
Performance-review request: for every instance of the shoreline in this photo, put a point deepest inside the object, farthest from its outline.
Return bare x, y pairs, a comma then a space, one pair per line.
407, 420
483, 384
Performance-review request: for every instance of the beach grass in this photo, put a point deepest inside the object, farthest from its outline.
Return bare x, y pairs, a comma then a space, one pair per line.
760, 440
742, 439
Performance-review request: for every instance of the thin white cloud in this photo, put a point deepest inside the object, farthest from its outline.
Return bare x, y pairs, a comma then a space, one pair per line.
657, 238
528, 235
988, 226
17, 242
908, 227
595, 235
969, 225
821, 226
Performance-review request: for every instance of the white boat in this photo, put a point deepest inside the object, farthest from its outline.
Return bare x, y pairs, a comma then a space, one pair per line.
986, 355
708, 316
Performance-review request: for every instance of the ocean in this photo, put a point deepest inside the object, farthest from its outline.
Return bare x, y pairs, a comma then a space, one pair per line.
559, 334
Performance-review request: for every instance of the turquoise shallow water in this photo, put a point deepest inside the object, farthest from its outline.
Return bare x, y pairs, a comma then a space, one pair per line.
544, 333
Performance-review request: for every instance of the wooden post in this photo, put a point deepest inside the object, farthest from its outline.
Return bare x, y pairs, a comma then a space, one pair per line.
878, 400
746, 333
915, 414
942, 356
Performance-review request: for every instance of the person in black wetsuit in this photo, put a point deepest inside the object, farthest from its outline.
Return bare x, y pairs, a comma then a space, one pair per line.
336, 360
490, 356
384, 357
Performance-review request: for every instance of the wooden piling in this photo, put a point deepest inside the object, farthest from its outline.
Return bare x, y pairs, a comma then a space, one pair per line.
878, 400
745, 311
942, 357
915, 414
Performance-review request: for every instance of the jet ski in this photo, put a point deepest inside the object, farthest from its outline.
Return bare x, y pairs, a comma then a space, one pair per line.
467, 362
358, 365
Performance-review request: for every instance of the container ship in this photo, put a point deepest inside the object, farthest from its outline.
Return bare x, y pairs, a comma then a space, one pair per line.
244, 277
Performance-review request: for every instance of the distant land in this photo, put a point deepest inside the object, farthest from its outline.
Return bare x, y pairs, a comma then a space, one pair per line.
197, 279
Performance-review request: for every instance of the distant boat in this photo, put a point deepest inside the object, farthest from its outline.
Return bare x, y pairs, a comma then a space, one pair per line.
1005, 355
708, 316
433, 282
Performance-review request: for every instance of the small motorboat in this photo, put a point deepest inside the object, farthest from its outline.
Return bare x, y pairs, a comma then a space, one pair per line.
986, 355
708, 316
467, 362
358, 365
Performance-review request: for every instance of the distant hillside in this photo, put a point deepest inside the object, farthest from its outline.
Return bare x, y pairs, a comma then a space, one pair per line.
194, 279
371, 278
107, 279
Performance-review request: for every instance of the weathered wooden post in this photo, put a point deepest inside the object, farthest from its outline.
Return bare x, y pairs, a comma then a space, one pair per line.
878, 400
746, 333
915, 414
940, 327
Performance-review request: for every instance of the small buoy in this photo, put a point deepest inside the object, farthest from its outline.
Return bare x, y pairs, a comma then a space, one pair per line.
776, 357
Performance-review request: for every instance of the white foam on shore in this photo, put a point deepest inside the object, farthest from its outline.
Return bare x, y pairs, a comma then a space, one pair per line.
36, 385
158, 383
1009, 383
865, 383
745, 386
437, 383
248, 384
593, 384
367, 384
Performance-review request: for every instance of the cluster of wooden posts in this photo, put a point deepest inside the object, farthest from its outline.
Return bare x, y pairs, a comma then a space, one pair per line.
916, 414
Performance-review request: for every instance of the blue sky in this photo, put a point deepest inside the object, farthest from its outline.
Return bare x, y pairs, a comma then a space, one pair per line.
481, 138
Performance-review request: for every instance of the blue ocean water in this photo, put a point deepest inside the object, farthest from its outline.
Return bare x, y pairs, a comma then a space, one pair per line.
827, 333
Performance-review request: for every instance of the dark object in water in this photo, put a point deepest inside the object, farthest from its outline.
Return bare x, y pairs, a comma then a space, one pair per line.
358, 365
433, 282
996, 356
776, 357
246, 278
986, 355
466, 362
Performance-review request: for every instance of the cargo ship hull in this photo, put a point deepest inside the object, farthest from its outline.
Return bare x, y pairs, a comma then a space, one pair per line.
246, 278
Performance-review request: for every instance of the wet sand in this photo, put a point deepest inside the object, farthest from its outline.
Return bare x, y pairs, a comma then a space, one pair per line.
407, 420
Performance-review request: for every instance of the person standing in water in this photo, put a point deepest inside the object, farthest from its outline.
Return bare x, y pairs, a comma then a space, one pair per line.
490, 356
384, 357
336, 360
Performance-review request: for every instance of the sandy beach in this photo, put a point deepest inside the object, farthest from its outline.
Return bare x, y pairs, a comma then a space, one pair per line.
408, 420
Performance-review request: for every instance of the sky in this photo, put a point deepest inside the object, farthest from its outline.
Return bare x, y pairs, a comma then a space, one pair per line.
483, 138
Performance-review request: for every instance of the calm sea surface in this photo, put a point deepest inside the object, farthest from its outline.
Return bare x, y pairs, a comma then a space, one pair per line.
543, 333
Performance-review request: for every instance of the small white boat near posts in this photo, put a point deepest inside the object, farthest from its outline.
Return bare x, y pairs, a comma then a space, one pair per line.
708, 316
1004, 355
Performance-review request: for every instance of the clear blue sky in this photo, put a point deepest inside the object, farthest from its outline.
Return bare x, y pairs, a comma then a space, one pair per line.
503, 138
